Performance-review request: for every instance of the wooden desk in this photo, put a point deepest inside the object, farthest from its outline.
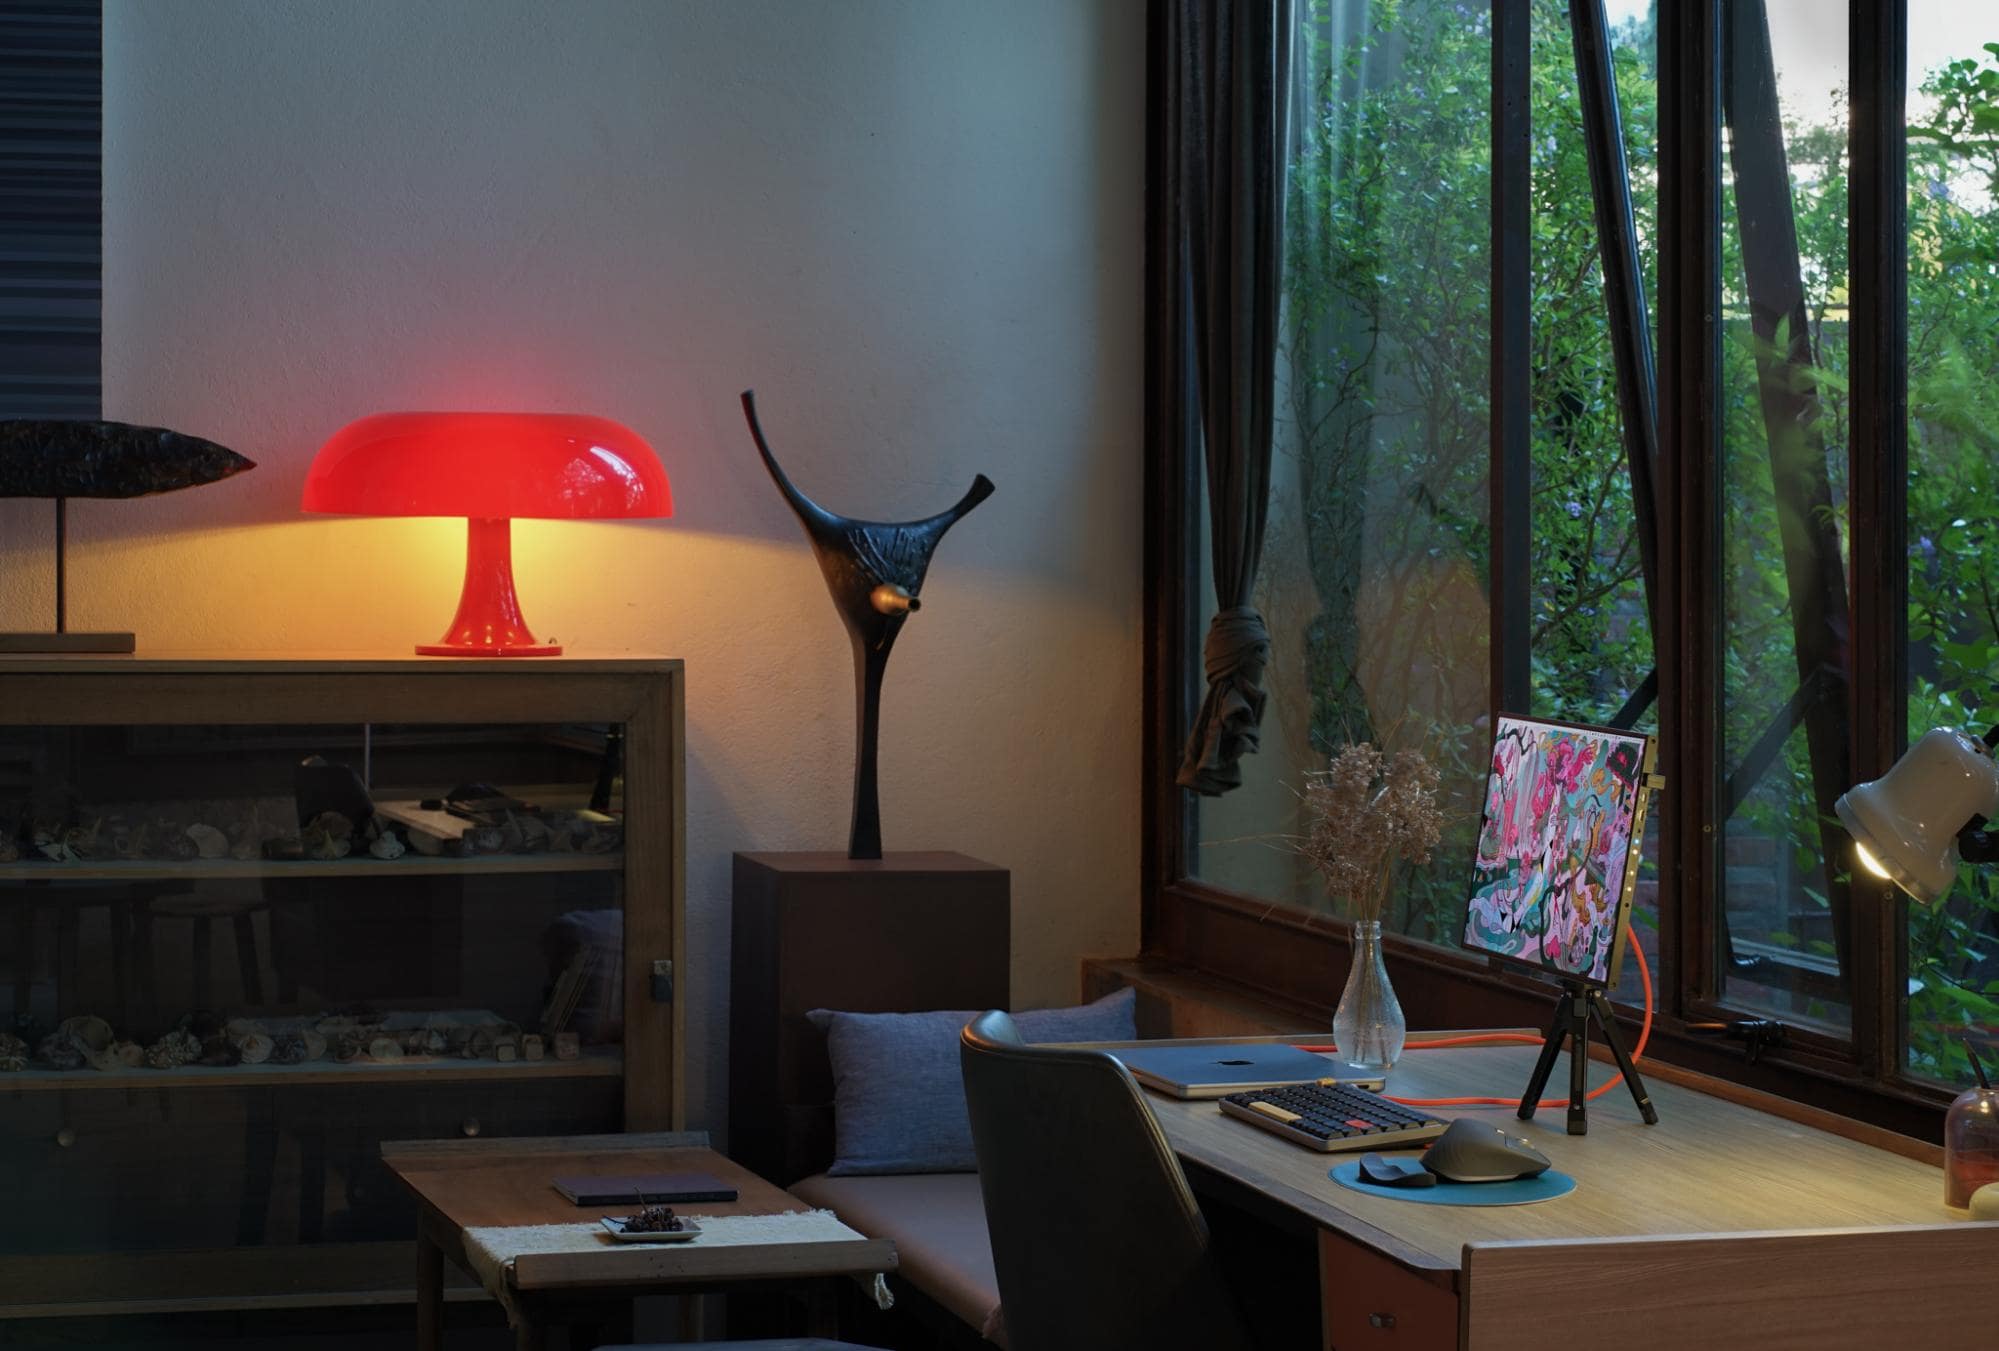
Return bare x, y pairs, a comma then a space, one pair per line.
1724, 1225
461, 1184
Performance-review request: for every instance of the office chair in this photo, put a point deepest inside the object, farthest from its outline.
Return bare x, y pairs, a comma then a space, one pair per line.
1097, 1241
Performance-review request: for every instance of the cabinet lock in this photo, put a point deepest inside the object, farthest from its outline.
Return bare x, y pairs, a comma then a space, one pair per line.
662, 982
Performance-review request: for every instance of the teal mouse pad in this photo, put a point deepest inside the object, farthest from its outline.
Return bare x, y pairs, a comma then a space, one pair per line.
1522, 1191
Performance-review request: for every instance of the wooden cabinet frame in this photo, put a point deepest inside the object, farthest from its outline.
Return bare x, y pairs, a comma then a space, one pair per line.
646, 695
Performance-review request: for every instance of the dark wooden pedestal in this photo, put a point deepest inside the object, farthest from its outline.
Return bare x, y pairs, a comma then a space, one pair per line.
900, 934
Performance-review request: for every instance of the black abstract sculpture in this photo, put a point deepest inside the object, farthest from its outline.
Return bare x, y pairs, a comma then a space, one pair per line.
60, 459
874, 569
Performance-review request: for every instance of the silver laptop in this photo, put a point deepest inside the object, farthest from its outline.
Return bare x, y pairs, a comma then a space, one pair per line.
1216, 1071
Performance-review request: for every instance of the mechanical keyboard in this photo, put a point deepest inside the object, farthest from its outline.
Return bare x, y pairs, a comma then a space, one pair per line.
1330, 1116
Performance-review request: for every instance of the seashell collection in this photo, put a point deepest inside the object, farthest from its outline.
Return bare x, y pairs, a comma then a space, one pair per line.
254, 830
583, 832
328, 836
425, 1041
208, 841
76, 1042
59, 1053
202, 1038
175, 1049
120, 1055
215, 835
49, 843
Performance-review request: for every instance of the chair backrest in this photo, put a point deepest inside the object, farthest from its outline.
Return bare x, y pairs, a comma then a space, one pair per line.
1097, 1241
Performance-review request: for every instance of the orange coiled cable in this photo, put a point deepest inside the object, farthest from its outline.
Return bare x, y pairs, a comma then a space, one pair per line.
1522, 1038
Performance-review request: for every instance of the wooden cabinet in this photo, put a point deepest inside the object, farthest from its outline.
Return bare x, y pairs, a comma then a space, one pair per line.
1369, 1302
261, 993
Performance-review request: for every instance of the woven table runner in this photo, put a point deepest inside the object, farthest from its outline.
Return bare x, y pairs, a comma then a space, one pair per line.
492, 1249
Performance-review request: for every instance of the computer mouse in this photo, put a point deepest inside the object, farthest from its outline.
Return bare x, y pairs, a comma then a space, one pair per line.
1470, 1150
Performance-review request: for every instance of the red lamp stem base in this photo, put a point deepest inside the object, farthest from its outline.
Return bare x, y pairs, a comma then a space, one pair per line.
489, 622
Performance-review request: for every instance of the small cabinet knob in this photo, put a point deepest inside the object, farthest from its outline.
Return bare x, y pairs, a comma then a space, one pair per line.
66, 1137
1381, 1320
469, 1126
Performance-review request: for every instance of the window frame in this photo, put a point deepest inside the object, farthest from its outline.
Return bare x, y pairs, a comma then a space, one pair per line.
1298, 960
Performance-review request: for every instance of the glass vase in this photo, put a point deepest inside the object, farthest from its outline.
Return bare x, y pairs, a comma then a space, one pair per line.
1368, 1026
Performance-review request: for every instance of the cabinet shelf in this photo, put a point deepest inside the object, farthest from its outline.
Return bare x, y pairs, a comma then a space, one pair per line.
600, 1063
409, 865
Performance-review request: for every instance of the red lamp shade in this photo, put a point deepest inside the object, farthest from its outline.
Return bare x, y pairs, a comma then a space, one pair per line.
488, 468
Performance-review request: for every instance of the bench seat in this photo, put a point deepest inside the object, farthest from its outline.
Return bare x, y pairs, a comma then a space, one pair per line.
938, 1224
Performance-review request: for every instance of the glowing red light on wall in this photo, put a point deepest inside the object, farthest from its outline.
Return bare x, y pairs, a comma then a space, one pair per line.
489, 468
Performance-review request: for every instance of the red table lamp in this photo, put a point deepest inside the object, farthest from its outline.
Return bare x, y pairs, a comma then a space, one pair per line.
488, 468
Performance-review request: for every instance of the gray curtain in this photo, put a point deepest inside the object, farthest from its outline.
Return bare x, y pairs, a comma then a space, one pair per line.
1227, 123
50, 207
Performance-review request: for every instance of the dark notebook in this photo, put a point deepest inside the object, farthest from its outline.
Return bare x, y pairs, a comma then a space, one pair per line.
610, 1189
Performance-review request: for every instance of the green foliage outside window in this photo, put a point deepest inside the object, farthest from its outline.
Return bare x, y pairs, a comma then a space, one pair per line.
1954, 516
1387, 340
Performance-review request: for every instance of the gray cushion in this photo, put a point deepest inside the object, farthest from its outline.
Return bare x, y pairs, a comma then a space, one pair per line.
898, 1098
937, 1222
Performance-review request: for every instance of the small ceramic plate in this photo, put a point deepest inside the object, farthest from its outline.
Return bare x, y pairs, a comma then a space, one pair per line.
616, 1229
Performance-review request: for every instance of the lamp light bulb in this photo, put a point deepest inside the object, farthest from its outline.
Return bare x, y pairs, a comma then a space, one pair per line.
1869, 862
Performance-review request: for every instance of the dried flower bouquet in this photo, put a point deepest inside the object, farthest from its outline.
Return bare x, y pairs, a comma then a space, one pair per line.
1364, 811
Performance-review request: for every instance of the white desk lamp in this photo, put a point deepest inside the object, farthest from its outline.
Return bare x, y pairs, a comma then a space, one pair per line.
1914, 823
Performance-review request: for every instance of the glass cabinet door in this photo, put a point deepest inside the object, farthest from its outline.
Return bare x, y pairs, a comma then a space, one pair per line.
240, 957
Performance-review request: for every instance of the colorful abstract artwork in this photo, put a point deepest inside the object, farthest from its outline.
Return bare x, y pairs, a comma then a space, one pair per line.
1561, 806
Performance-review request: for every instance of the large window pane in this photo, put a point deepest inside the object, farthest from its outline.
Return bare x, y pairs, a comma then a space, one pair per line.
1591, 635
1374, 578
1592, 641
1782, 511
1953, 653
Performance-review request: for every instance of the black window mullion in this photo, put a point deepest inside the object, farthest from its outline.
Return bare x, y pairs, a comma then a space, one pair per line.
1511, 594
1688, 639
1623, 280
1878, 490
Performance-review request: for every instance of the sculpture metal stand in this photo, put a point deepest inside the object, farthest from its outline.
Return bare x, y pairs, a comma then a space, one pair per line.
874, 570
63, 459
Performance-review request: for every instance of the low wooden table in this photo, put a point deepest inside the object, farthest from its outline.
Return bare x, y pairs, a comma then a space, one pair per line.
466, 1184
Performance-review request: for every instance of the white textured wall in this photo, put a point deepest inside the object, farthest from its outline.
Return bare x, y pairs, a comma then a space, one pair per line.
913, 227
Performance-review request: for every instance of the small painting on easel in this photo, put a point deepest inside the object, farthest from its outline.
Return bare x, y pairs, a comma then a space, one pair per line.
1557, 853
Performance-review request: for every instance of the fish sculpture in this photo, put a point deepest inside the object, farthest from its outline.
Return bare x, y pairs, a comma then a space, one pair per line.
48, 458
874, 570
63, 459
